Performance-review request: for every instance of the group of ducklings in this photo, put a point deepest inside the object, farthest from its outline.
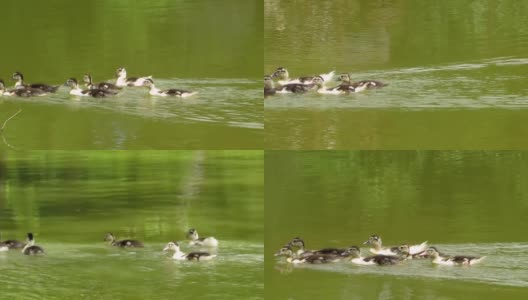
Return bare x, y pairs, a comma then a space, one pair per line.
296, 253
303, 84
29, 248
97, 90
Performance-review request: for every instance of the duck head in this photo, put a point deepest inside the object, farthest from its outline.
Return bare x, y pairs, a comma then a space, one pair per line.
121, 72
284, 251
192, 234
373, 240
148, 83
87, 79
431, 252
173, 246
318, 81
296, 242
72, 82
109, 237
345, 78
281, 73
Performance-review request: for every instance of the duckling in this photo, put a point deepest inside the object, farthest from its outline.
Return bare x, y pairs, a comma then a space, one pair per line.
10, 244
269, 89
458, 260
195, 240
302, 252
318, 81
20, 92
122, 79
170, 92
375, 241
40, 86
284, 77
103, 85
369, 84
30, 248
379, 259
314, 258
77, 91
109, 237
179, 255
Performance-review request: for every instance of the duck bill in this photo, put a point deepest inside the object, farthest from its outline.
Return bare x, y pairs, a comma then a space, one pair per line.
366, 243
274, 74
423, 253
166, 248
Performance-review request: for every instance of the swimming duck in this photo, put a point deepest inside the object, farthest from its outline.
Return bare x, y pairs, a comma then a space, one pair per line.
375, 241
379, 259
40, 86
269, 89
102, 85
314, 258
170, 92
109, 237
458, 260
369, 84
20, 92
284, 77
302, 252
195, 240
318, 81
122, 79
77, 91
30, 248
179, 255
11, 244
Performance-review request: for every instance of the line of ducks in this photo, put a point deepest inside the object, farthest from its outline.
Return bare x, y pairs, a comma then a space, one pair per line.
29, 248
97, 90
381, 255
303, 84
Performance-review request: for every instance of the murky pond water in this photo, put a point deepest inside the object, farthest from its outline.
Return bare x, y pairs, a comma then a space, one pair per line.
212, 47
456, 78
70, 199
464, 203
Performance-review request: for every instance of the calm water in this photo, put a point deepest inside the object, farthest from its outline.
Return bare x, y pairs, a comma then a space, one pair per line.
457, 79
70, 199
470, 203
209, 46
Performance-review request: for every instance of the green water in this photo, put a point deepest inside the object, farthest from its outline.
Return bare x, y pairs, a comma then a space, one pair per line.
70, 199
464, 203
212, 47
456, 71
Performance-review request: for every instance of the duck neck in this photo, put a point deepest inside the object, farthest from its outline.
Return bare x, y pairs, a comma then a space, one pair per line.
19, 83
121, 80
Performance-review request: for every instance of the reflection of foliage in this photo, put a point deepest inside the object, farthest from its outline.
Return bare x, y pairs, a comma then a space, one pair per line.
150, 192
352, 34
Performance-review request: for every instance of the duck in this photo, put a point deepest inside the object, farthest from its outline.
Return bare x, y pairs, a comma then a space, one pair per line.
109, 237
170, 92
269, 89
459, 260
102, 85
302, 252
20, 92
194, 256
77, 91
11, 244
294, 258
375, 241
30, 248
283, 77
368, 84
40, 86
379, 259
122, 79
318, 82
195, 240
